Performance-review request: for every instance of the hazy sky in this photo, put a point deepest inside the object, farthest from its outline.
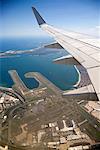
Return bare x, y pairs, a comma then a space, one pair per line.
17, 18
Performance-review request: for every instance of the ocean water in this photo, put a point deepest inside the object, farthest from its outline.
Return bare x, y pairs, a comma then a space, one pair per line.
63, 76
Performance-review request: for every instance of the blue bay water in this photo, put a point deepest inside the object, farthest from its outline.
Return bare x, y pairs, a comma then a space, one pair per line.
22, 43
63, 76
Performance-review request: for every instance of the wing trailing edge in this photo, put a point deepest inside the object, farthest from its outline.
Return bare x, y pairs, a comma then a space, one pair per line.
68, 59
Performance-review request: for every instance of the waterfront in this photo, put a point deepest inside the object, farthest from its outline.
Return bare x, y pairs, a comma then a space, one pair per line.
63, 76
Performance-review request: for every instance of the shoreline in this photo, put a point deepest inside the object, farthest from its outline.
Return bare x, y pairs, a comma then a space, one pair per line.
79, 78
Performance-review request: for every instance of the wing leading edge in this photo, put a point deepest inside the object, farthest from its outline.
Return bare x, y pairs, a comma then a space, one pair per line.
83, 48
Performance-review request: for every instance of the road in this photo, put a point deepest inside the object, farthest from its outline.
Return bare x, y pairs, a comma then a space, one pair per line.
11, 91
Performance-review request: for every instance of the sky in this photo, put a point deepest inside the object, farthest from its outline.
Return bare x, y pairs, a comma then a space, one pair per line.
17, 18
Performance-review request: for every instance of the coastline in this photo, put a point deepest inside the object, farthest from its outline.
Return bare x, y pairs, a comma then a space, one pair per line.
79, 78
48, 59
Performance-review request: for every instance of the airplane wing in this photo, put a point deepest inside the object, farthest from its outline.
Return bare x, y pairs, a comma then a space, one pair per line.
82, 47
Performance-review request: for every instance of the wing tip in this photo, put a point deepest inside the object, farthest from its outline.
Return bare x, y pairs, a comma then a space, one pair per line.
39, 19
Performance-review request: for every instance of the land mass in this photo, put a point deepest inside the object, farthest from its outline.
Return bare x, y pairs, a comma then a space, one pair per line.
46, 118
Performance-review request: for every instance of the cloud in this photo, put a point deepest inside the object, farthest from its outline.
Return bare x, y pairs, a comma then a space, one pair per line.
97, 27
95, 31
